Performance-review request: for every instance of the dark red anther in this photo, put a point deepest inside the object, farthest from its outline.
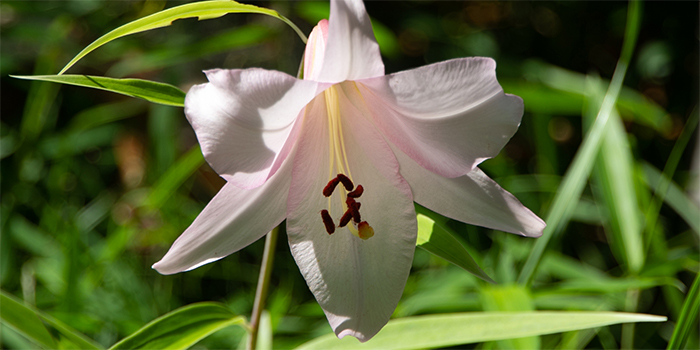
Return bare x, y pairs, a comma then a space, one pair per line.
346, 182
350, 201
356, 212
327, 221
346, 218
357, 192
328, 190
353, 208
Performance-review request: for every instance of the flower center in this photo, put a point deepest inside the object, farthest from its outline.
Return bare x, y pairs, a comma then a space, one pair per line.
339, 166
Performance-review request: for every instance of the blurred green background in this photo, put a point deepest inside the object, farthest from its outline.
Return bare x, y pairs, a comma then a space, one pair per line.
96, 186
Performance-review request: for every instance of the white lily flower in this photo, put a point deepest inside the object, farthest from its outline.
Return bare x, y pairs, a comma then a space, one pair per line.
282, 144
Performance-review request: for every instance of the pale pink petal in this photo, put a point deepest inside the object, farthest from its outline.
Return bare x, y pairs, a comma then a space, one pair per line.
315, 50
358, 283
243, 119
352, 51
448, 116
473, 198
233, 219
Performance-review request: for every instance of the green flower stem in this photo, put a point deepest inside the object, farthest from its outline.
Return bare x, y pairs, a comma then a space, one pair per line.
263, 286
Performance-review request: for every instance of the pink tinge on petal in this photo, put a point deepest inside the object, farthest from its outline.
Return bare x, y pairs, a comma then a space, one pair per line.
244, 121
473, 198
449, 116
232, 220
357, 282
315, 50
351, 51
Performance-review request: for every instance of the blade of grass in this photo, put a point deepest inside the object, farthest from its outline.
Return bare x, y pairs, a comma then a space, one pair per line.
576, 175
674, 158
675, 197
614, 178
200, 10
13, 308
148, 90
181, 328
688, 316
445, 330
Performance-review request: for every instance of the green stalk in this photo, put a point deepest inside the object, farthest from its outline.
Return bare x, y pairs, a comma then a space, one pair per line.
263, 287
669, 170
688, 316
580, 169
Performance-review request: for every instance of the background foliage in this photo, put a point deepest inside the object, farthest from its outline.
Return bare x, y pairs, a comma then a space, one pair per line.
96, 186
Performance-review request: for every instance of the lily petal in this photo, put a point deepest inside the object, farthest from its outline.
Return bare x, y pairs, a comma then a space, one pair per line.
233, 219
448, 116
315, 50
352, 51
358, 283
243, 119
473, 198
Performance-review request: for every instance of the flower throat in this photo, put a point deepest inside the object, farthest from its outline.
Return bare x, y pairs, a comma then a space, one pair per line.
339, 160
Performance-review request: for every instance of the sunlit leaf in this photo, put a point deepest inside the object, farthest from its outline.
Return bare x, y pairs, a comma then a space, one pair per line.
577, 174
510, 298
614, 177
28, 321
181, 328
200, 10
14, 314
437, 240
148, 90
454, 329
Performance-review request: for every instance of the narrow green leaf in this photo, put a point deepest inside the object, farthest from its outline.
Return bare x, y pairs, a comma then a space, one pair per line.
510, 298
688, 316
437, 240
148, 90
14, 314
200, 10
454, 329
181, 328
675, 197
13, 310
614, 177
175, 176
577, 174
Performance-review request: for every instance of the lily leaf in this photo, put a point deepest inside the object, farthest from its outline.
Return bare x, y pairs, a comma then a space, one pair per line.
31, 324
23, 320
434, 331
181, 328
200, 10
148, 90
437, 240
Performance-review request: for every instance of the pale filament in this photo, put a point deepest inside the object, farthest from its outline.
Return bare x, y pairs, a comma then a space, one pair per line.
338, 159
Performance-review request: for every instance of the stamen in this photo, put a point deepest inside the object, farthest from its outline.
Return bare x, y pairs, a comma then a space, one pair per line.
356, 212
346, 182
357, 192
364, 230
353, 208
328, 190
345, 219
327, 221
